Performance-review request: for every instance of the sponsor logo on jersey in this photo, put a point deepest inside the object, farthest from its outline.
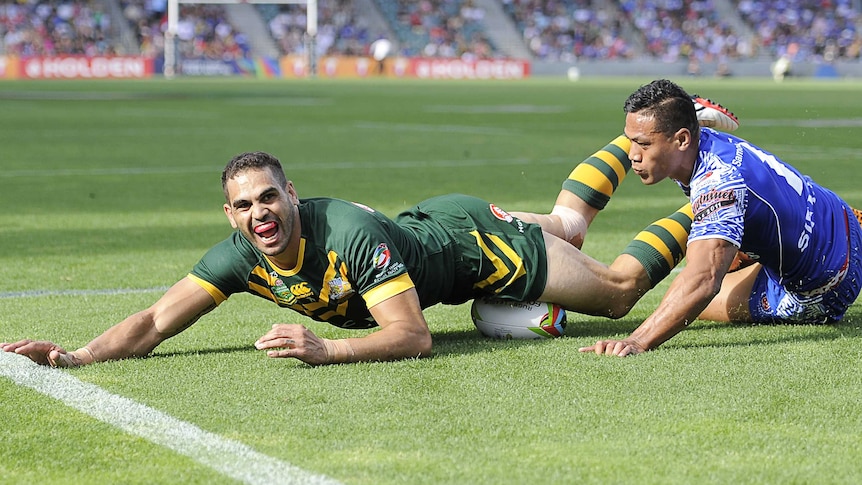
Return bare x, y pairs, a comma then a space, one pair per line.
500, 213
711, 202
381, 256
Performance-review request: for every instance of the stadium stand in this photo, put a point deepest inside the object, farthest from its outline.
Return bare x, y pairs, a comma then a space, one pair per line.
339, 30
438, 28
55, 28
551, 30
569, 29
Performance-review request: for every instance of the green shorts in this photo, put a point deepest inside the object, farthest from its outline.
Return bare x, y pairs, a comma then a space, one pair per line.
495, 254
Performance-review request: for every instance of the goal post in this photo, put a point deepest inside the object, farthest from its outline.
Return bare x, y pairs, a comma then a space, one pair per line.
171, 61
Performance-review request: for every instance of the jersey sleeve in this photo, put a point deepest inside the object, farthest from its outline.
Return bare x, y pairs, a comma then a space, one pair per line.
718, 202
372, 258
225, 268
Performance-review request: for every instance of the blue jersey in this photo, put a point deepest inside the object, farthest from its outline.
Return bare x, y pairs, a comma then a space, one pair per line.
795, 228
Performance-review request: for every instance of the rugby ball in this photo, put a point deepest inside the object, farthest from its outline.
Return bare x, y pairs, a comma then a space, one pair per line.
506, 319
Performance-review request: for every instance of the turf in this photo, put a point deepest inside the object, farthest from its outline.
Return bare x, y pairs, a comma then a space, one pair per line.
111, 193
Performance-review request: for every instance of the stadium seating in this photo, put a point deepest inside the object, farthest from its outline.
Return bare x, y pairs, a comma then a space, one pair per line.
553, 30
50, 28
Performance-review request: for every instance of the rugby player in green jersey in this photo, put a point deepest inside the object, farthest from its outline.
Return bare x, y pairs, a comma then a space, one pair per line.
348, 265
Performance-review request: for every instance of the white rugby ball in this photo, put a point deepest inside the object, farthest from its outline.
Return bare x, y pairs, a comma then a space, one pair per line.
506, 319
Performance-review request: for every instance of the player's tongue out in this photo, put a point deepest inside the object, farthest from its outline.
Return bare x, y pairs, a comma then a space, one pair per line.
266, 230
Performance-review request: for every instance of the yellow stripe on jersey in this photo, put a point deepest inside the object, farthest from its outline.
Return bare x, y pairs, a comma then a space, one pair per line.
503, 269
214, 292
331, 275
387, 290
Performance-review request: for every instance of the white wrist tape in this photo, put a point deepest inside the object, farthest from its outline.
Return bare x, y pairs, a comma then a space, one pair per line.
573, 222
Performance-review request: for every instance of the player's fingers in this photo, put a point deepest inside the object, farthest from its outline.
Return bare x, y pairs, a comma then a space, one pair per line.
14, 346
63, 359
281, 353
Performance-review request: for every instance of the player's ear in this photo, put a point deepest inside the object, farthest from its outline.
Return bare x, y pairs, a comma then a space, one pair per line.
229, 213
291, 192
683, 138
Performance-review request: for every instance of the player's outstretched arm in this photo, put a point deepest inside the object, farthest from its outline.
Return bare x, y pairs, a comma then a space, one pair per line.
136, 336
689, 293
403, 334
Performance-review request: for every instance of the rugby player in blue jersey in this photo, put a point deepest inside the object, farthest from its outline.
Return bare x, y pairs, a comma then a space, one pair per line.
804, 239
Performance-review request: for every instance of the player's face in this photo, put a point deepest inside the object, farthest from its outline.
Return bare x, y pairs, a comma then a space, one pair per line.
656, 156
265, 213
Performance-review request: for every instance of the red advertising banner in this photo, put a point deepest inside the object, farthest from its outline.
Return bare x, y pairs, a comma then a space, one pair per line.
431, 68
81, 67
129, 67
425, 68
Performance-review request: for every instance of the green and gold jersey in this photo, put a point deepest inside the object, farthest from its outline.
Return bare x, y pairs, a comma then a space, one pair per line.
450, 248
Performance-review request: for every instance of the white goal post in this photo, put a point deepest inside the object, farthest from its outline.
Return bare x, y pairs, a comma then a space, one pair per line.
173, 19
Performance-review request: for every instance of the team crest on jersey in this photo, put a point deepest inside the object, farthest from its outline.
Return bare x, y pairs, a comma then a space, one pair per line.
281, 291
381, 256
500, 213
711, 202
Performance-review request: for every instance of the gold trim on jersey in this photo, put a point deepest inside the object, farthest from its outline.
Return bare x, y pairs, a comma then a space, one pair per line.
387, 290
515, 265
300, 257
214, 292
335, 285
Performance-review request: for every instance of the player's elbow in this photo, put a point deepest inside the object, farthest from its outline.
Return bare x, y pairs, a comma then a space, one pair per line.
623, 302
422, 345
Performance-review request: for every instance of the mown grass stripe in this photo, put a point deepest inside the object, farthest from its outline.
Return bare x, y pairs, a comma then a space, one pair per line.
231, 458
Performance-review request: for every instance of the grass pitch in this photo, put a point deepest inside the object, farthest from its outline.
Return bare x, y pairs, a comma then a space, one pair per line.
111, 193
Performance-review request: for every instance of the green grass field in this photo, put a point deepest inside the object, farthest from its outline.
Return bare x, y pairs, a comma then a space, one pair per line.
110, 193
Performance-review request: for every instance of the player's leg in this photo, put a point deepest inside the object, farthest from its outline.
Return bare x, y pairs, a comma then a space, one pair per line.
593, 182
584, 285
731, 303
586, 191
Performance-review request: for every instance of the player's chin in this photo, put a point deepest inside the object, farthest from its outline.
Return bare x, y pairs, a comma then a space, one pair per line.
271, 246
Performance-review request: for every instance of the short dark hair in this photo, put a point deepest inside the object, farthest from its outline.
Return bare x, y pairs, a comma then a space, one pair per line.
668, 103
252, 161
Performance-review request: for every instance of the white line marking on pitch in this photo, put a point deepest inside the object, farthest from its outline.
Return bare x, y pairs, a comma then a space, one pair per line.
228, 457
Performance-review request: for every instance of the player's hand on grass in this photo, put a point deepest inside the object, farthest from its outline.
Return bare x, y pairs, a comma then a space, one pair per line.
620, 348
294, 340
43, 352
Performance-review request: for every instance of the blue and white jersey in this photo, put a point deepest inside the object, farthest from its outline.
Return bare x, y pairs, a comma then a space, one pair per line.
743, 194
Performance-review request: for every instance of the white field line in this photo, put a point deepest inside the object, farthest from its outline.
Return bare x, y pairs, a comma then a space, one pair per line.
225, 456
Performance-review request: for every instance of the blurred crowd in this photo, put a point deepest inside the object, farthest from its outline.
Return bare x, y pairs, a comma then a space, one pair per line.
203, 31
568, 30
563, 30
34, 28
438, 28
